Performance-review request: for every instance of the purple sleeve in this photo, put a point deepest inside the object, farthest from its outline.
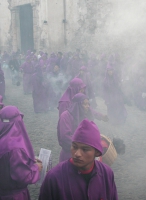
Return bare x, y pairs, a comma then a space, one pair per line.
22, 168
63, 105
65, 131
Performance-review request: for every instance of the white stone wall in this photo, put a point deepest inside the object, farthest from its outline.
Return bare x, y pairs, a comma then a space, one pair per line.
5, 20
100, 26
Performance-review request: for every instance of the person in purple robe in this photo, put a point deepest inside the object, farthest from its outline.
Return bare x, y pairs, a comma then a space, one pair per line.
81, 177
85, 75
34, 60
28, 71
18, 166
114, 98
2, 83
40, 91
71, 118
43, 62
1, 102
51, 62
76, 86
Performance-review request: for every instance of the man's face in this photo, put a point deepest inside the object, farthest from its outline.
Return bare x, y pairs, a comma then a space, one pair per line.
82, 90
56, 68
86, 105
110, 72
83, 155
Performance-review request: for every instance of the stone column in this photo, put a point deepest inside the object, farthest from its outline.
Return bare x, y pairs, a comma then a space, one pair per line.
35, 26
13, 29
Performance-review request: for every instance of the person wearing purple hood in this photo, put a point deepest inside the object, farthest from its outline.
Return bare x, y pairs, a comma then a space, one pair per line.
1, 102
18, 166
76, 86
81, 177
71, 118
28, 70
114, 98
40, 91
85, 75
2, 83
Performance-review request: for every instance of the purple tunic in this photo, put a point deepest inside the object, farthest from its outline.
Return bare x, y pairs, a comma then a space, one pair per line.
2, 83
17, 161
65, 182
75, 85
69, 121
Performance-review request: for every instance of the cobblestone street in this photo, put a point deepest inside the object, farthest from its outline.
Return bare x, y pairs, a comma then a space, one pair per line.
129, 169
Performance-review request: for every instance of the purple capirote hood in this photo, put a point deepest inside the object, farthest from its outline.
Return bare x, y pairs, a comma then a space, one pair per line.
88, 133
75, 85
13, 134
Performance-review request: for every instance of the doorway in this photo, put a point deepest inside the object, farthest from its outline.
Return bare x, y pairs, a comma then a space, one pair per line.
26, 27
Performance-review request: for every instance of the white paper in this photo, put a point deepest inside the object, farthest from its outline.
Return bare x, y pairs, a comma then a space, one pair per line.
45, 157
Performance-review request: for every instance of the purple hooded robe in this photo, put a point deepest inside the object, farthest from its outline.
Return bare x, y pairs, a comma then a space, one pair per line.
2, 83
86, 78
76, 85
66, 182
40, 92
114, 100
28, 70
69, 121
17, 160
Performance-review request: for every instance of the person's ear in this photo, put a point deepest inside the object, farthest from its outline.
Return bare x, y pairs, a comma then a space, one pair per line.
97, 153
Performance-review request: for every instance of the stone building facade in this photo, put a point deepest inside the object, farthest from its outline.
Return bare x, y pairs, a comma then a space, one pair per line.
95, 25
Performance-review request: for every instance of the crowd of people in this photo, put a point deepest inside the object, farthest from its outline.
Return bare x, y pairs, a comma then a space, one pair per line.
69, 82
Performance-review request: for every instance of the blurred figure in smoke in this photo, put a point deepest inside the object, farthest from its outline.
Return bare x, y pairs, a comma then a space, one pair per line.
59, 57
14, 67
140, 93
76, 86
2, 83
4, 61
51, 62
1, 102
40, 91
86, 78
71, 118
18, 166
74, 65
81, 177
113, 97
28, 71
57, 83
64, 63
34, 60
43, 62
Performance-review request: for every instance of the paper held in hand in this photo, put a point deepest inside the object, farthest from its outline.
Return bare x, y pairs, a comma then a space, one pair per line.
45, 157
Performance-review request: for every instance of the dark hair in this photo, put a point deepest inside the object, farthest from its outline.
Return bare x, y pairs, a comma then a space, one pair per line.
119, 145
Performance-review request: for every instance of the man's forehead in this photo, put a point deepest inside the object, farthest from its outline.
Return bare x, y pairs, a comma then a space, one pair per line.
81, 144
